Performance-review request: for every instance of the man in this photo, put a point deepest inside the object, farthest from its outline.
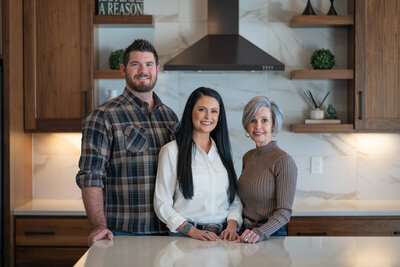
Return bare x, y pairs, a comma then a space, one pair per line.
120, 144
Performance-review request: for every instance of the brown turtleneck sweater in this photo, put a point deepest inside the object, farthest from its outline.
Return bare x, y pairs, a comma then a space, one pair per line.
267, 187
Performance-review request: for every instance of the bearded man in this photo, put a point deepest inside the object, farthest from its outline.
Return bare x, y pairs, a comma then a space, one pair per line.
120, 144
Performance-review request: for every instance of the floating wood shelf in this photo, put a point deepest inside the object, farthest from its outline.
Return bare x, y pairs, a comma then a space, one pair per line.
322, 128
321, 21
339, 74
142, 19
107, 74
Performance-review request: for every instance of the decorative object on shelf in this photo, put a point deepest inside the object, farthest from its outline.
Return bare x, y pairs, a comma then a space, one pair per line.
324, 121
322, 59
119, 7
309, 9
332, 10
316, 113
332, 112
111, 94
115, 59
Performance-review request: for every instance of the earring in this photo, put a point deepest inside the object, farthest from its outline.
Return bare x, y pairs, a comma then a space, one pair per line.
247, 134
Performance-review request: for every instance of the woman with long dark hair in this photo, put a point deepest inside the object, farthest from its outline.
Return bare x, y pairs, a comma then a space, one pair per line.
195, 192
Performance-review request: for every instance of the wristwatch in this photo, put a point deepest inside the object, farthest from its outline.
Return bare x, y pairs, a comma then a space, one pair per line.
186, 228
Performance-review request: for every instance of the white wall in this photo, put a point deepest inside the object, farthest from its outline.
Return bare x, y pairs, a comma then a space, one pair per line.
355, 166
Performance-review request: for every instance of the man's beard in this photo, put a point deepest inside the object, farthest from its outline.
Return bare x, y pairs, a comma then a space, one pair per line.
140, 86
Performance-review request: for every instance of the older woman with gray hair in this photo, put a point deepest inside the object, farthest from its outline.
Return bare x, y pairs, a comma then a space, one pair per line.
268, 181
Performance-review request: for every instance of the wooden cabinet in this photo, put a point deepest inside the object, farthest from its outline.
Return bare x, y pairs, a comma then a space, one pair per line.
377, 65
344, 226
50, 240
1, 29
58, 43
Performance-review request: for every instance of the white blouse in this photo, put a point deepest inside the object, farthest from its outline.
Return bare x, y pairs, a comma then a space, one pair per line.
209, 204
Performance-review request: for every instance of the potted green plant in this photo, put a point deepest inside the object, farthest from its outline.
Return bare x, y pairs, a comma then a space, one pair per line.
322, 59
115, 59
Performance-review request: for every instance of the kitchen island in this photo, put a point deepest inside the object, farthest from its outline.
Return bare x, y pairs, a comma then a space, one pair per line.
277, 251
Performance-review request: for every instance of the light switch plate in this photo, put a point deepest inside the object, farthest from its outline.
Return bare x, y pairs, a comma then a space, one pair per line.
316, 165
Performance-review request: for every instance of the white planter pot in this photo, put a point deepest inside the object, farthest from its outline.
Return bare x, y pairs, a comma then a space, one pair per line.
317, 114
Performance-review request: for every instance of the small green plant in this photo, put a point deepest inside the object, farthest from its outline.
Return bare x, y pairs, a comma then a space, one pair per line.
322, 59
115, 59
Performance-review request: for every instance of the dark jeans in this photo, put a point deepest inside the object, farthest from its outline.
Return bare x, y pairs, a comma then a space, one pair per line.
281, 232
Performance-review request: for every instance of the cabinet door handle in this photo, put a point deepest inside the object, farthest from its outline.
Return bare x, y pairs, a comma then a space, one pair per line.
396, 233
321, 233
85, 93
40, 233
361, 93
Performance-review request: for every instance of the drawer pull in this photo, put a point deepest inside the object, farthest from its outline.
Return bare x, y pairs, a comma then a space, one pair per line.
396, 233
317, 234
39, 233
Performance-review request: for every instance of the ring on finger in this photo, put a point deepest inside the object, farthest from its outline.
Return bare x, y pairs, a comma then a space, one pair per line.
207, 232
247, 237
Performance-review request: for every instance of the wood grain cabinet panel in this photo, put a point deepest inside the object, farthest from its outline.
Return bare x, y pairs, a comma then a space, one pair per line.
377, 65
344, 226
50, 240
43, 257
58, 68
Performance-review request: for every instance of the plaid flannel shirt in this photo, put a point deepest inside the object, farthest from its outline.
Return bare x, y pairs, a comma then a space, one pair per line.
120, 144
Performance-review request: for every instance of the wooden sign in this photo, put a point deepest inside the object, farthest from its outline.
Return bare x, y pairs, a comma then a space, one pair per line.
119, 7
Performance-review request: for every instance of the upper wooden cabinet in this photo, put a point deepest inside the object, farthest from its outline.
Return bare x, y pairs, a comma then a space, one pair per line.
58, 43
376, 91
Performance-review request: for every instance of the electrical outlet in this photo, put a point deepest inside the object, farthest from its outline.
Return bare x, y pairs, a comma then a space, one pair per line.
316, 165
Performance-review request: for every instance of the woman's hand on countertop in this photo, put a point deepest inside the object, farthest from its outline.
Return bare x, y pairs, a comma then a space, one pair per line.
248, 236
230, 232
202, 235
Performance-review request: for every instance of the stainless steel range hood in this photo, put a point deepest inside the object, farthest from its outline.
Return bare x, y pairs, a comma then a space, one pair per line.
223, 49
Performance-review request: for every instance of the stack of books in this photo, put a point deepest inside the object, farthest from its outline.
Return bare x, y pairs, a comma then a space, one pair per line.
326, 121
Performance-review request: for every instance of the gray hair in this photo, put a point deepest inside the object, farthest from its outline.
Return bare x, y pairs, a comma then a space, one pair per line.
253, 107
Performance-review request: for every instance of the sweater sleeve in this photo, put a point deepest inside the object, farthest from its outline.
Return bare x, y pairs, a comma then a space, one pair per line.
165, 188
285, 172
235, 211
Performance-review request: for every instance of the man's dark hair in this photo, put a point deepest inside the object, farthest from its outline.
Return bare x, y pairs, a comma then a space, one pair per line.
185, 144
141, 46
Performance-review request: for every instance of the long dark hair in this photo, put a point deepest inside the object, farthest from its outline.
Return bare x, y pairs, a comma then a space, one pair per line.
185, 144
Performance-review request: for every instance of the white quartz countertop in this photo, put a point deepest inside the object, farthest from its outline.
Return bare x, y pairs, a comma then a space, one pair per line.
296, 251
51, 207
300, 208
346, 208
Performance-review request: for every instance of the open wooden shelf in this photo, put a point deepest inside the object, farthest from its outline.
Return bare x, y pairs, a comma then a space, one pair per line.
107, 74
127, 19
321, 21
336, 74
322, 128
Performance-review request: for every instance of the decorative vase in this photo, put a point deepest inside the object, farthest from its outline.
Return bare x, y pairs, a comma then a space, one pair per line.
308, 10
317, 114
111, 95
332, 10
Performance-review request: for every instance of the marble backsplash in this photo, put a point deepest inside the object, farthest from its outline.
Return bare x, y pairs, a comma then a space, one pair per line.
355, 166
